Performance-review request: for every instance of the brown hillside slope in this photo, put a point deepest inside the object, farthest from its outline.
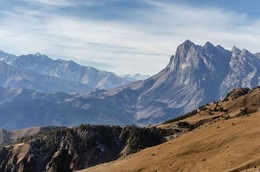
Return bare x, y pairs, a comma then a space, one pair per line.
8, 136
223, 146
13, 135
230, 142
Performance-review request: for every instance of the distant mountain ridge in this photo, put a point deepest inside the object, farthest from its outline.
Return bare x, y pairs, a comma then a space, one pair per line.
22, 108
194, 76
33, 67
17, 78
135, 77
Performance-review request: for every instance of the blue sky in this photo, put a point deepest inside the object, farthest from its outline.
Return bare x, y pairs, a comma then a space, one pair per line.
125, 36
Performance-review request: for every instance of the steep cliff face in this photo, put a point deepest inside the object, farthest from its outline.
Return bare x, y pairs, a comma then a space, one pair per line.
76, 148
196, 75
192, 78
244, 71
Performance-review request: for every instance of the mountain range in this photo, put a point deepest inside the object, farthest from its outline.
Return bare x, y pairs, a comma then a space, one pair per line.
40, 73
195, 75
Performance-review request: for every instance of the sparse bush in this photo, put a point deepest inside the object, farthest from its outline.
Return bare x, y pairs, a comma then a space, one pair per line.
235, 93
183, 124
189, 114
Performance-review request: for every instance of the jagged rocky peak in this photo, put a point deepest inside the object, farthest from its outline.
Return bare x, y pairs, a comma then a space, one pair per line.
208, 45
246, 52
238, 54
210, 48
235, 50
189, 54
7, 58
184, 48
32, 58
184, 52
257, 55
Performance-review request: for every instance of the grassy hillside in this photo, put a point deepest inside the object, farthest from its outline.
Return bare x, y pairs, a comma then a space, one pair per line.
227, 138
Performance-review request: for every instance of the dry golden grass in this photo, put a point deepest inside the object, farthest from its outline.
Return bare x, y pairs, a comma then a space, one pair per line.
217, 145
20, 151
222, 146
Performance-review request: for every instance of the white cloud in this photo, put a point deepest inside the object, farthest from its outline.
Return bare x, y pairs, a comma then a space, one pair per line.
57, 3
142, 45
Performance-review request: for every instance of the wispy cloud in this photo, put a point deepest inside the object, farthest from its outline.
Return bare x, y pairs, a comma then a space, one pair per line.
129, 40
58, 3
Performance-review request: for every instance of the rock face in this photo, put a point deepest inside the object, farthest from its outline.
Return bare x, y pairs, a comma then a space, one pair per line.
196, 75
244, 70
40, 73
75, 148
192, 78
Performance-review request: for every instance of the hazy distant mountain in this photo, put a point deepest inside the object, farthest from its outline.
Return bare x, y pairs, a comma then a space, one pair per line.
135, 77
22, 108
7, 58
195, 75
257, 55
16, 78
57, 72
